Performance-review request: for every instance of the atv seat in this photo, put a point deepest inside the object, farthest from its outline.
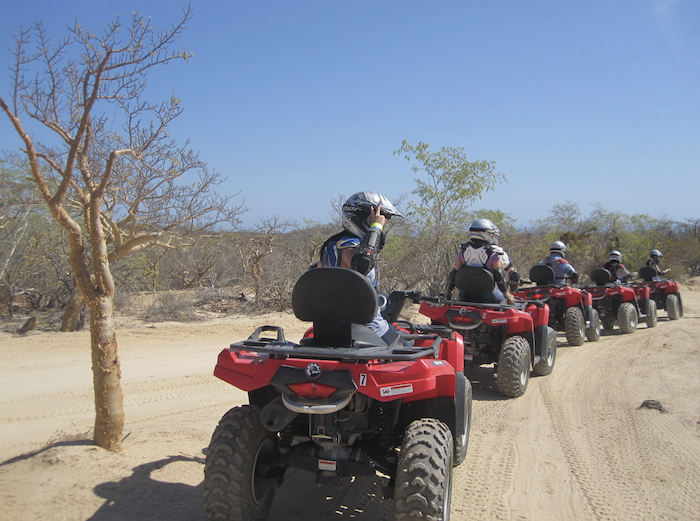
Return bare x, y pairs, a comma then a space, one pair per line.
600, 276
473, 282
339, 302
647, 273
542, 275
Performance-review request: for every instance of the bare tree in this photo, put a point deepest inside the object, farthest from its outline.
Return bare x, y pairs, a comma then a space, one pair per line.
448, 184
114, 192
259, 246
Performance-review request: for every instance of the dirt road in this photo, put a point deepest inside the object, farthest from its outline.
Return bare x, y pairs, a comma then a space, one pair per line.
576, 446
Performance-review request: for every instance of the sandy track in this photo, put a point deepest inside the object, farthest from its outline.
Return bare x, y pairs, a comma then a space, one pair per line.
575, 446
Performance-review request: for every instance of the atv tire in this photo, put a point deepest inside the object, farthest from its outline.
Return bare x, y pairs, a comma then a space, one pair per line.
627, 318
461, 442
232, 489
651, 318
424, 472
513, 367
673, 307
593, 332
546, 364
574, 326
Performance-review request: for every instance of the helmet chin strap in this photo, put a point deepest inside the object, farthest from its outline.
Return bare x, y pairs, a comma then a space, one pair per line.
352, 227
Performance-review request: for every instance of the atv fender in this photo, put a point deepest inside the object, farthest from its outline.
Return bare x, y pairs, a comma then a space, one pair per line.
643, 306
680, 303
540, 349
460, 398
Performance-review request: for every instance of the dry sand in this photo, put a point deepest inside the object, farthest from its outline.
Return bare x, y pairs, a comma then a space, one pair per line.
576, 446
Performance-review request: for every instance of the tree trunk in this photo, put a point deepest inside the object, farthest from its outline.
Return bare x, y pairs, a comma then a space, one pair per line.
109, 404
71, 316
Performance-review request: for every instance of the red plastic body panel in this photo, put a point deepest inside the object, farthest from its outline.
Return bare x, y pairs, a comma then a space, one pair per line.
628, 294
642, 292
412, 381
572, 296
539, 314
517, 321
668, 286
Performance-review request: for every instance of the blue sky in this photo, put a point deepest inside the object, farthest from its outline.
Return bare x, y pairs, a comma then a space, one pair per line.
594, 101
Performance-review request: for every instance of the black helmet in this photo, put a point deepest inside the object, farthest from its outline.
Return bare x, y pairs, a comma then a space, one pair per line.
558, 247
655, 255
615, 256
484, 230
358, 208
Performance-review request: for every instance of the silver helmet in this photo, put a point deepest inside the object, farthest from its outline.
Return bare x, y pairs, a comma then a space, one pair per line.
558, 247
358, 208
484, 230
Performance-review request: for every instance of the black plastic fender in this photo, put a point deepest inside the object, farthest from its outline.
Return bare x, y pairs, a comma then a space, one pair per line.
680, 303
540, 350
460, 397
643, 306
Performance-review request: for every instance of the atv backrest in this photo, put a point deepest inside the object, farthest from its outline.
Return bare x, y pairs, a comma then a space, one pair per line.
334, 299
600, 276
542, 275
647, 273
472, 278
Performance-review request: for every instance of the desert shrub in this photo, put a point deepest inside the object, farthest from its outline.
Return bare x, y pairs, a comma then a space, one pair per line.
171, 305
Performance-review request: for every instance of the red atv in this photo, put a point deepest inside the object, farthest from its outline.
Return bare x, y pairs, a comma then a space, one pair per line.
617, 302
515, 338
646, 305
341, 402
570, 309
665, 293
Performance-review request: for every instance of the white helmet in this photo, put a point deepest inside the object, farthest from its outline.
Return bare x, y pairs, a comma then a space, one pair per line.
655, 255
358, 208
558, 247
615, 256
484, 230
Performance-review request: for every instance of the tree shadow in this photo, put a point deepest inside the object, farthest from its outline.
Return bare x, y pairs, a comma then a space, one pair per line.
50, 445
140, 496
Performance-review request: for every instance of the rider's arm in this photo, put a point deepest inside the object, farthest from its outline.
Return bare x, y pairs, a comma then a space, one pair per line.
499, 275
363, 259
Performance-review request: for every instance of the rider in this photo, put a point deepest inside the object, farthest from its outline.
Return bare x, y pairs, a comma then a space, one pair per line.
617, 270
482, 250
653, 262
364, 215
563, 271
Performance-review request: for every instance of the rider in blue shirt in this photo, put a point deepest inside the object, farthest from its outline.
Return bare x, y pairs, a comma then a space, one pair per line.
364, 215
563, 271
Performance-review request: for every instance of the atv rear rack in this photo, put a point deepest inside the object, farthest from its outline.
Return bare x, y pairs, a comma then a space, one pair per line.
497, 307
281, 348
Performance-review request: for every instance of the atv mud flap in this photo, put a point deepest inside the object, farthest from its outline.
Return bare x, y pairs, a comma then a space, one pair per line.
680, 303
643, 306
460, 397
541, 344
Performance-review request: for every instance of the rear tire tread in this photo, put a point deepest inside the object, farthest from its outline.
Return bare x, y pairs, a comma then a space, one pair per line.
424, 474
513, 367
574, 326
229, 466
627, 318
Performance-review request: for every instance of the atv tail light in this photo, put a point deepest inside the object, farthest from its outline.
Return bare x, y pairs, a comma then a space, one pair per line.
312, 390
